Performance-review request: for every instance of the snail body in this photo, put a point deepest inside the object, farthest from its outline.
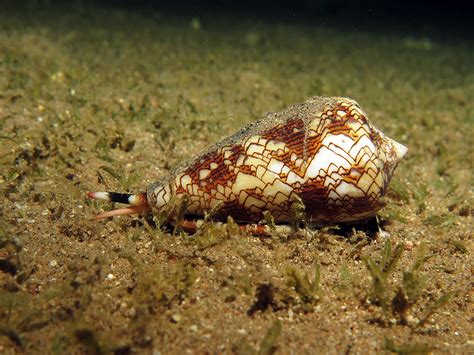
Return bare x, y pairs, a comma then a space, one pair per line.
323, 153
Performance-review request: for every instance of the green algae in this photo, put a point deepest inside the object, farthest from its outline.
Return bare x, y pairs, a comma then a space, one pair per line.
309, 289
401, 299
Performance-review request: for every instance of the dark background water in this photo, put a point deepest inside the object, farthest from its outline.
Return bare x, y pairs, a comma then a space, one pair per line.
448, 16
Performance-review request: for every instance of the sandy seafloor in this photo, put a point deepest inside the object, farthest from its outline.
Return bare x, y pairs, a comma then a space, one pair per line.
95, 98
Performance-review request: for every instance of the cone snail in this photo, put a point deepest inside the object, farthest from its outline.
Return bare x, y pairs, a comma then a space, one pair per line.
324, 153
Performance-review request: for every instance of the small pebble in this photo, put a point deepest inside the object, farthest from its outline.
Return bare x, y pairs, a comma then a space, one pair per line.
412, 320
176, 318
195, 24
290, 314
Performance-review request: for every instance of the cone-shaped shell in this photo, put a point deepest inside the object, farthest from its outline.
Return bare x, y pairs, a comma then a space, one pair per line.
323, 152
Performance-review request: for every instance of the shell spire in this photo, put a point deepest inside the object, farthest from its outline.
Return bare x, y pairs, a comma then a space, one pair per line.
324, 153
400, 150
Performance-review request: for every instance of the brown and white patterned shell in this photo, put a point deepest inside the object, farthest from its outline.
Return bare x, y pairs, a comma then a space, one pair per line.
324, 152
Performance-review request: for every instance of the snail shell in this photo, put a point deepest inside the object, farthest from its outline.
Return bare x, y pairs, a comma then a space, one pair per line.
324, 153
